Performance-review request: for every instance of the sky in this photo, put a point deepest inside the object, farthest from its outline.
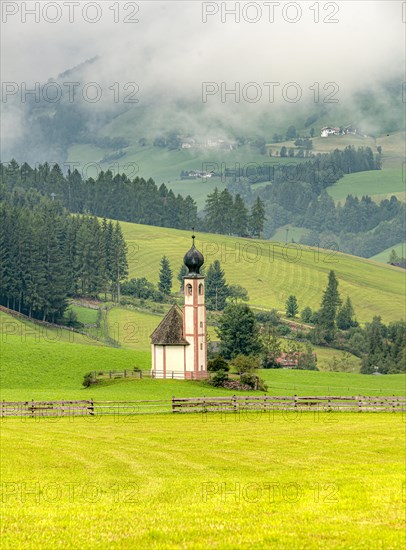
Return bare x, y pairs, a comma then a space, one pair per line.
171, 46
197, 51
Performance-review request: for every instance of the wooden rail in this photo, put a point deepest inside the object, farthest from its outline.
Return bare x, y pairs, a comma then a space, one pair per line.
235, 403
288, 403
131, 373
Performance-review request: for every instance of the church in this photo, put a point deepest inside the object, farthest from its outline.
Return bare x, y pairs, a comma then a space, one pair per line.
179, 346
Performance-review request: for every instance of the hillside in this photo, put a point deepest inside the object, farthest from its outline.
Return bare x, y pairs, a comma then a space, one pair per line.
264, 269
379, 185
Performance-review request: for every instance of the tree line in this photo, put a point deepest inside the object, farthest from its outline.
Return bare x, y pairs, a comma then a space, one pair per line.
47, 255
112, 196
229, 215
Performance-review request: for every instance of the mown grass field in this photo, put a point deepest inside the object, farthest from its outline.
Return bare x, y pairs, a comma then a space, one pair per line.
378, 184
181, 482
383, 256
270, 271
38, 367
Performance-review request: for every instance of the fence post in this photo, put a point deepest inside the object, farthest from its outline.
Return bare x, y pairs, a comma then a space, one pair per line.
359, 404
125, 373
173, 403
110, 373
91, 408
234, 401
172, 375
32, 408
140, 374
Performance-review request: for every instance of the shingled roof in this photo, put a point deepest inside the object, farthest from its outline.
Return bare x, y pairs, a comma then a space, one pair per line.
170, 329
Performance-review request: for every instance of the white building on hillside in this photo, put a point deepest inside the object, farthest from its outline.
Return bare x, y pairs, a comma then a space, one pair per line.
179, 347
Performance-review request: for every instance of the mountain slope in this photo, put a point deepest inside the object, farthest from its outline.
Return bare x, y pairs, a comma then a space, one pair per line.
267, 271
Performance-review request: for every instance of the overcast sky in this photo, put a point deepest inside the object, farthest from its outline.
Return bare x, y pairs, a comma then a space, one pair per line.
171, 48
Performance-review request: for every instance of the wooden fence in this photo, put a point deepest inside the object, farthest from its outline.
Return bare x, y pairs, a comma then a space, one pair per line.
235, 403
31, 409
291, 403
131, 373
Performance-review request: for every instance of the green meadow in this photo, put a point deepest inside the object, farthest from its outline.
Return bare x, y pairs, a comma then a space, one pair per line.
197, 482
51, 367
270, 271
378, 184
384, 255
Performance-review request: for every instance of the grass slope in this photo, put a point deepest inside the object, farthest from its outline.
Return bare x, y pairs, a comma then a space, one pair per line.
384, 255
267, 271
378, 184
178, 482
36, 368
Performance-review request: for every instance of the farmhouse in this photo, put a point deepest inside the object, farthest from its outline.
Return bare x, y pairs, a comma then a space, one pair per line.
290, 360
329, 131
179, 347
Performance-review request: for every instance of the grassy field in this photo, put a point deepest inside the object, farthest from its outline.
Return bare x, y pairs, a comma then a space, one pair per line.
378, 184
293, 232
229, 482
384, 255
270, 271
85, 315
35, 367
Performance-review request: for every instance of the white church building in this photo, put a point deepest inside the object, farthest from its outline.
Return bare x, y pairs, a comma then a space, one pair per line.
179, 346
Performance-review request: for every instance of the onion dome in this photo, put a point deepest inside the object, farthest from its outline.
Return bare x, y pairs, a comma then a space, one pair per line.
193, 260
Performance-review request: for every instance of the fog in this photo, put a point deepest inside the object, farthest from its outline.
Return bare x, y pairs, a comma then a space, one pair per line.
170, 52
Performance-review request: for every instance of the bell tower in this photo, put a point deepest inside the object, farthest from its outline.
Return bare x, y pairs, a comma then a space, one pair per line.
194, 315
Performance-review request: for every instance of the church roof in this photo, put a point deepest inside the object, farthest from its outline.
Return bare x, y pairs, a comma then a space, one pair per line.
170, 329
193, 260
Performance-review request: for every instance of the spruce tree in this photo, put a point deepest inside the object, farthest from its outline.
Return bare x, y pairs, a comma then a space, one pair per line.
240, 217
216, 287
329, 305
165, 277
345, 316
120, 263
257, 218
213, 211
238, 331
292, 307
182, 272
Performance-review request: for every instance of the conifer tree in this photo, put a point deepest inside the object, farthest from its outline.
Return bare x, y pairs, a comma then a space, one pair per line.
216, 287
257, 218
329, 305
240, 217
292, 307
165, 277
182, 272
345, 316
120, 263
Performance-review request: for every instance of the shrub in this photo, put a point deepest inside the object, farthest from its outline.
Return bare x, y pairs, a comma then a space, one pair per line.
219, 378
306, 315
87, 380
253, 381
218, 363
246, 363
283, 330
268, 317
72, 319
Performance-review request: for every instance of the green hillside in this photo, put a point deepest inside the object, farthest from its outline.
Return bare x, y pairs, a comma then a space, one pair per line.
41, 369
266, 270
379, 185
384, 255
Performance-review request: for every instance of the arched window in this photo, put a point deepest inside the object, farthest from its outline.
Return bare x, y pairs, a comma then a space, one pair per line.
189, 290
200, 288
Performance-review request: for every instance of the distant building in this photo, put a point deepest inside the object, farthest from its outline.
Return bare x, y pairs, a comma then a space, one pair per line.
179, 346
290, 360
330, 131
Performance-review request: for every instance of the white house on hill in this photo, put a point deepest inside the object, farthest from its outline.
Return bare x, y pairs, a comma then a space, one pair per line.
179, 346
